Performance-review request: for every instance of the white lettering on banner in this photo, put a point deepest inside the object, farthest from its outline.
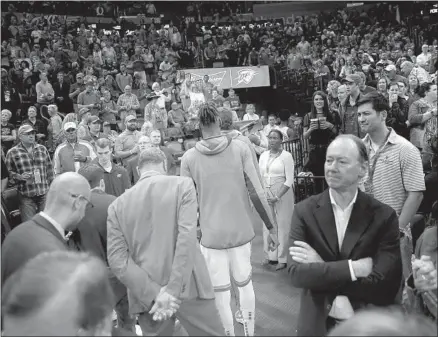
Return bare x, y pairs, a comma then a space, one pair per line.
245, 76
215, 79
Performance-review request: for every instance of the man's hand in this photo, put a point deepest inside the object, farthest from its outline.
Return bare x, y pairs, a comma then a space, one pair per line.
60, 99
165, 306
425, 274
363, 267
271, 201
273, 239
304, 253
79, 157
25, 176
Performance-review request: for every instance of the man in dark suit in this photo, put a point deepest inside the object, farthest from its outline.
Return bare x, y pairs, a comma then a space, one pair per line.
62, 98
345, 245
66, 201
91, 237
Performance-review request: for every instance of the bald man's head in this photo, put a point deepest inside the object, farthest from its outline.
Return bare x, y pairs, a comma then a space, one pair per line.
69, 193
58, 293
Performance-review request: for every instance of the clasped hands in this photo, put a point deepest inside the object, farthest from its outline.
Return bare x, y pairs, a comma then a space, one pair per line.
165, 306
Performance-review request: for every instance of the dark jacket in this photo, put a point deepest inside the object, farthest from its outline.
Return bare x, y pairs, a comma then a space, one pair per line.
26, 241
117, 181
372, 232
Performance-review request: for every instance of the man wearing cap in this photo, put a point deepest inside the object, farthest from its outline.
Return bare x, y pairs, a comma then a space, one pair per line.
348, 109
76, 89
30, 166
390, 72
89, 98
94, 125
74, 153
154, 113
125, 146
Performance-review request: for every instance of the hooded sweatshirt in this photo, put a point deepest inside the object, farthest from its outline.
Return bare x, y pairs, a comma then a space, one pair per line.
226, 179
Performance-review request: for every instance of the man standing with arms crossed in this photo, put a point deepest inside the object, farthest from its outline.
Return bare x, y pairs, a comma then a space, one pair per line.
223, 183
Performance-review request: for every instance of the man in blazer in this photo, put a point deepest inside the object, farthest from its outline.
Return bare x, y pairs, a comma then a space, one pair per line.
153, 250
91, 236
345, 245
62, 92
66, 201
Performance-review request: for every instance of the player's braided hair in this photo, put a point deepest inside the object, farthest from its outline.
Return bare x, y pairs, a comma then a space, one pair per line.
208, 114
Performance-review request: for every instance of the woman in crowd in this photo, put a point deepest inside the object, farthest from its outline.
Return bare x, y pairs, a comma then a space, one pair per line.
277, 171
382, 86
413, 85
421, 113
250, 114
319, 129
332, 95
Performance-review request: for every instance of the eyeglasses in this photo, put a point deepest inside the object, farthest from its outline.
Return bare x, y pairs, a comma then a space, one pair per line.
70, 130
80, 196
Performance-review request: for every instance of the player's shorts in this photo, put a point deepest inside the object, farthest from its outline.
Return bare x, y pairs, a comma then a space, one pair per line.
226, 263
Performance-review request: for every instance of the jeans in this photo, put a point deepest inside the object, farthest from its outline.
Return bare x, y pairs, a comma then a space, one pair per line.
124, 319
30, 206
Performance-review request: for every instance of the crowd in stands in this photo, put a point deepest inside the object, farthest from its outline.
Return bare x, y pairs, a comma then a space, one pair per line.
74, 94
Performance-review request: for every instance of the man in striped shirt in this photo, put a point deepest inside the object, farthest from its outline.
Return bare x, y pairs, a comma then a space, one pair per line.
395, 176
30, 166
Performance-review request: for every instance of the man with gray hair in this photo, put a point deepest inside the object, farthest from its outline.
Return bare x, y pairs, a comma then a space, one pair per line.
342, 257
58, 293
158, 218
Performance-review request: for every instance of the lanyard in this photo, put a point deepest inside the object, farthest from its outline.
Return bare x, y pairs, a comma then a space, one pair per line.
376, 157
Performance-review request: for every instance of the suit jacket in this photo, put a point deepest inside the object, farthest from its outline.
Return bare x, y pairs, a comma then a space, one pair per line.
152, 241
91, 234
61, 92
27, 241
131, 167
372, 231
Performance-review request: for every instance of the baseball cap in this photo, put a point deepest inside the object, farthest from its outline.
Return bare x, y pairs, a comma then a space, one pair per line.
390, 67
26, 128
70, 125
83, 111
94, 119
130, 118
106, 123
79, 75
353, 78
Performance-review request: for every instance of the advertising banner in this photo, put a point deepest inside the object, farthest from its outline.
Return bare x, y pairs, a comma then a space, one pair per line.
231, 77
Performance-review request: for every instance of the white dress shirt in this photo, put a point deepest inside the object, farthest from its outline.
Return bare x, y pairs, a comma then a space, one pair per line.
54, 223
341, 308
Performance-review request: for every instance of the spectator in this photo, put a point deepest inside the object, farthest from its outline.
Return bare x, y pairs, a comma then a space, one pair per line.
71, 155
250, 114
315, 252
54, 127
424, 59
132, 165
10, 97
154, 113
125, 145
76, 88
37, 124
401, 172
30, 166
128, 104
62, 91
8, 132
115, 177
348, 108
89, 98
44, 90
